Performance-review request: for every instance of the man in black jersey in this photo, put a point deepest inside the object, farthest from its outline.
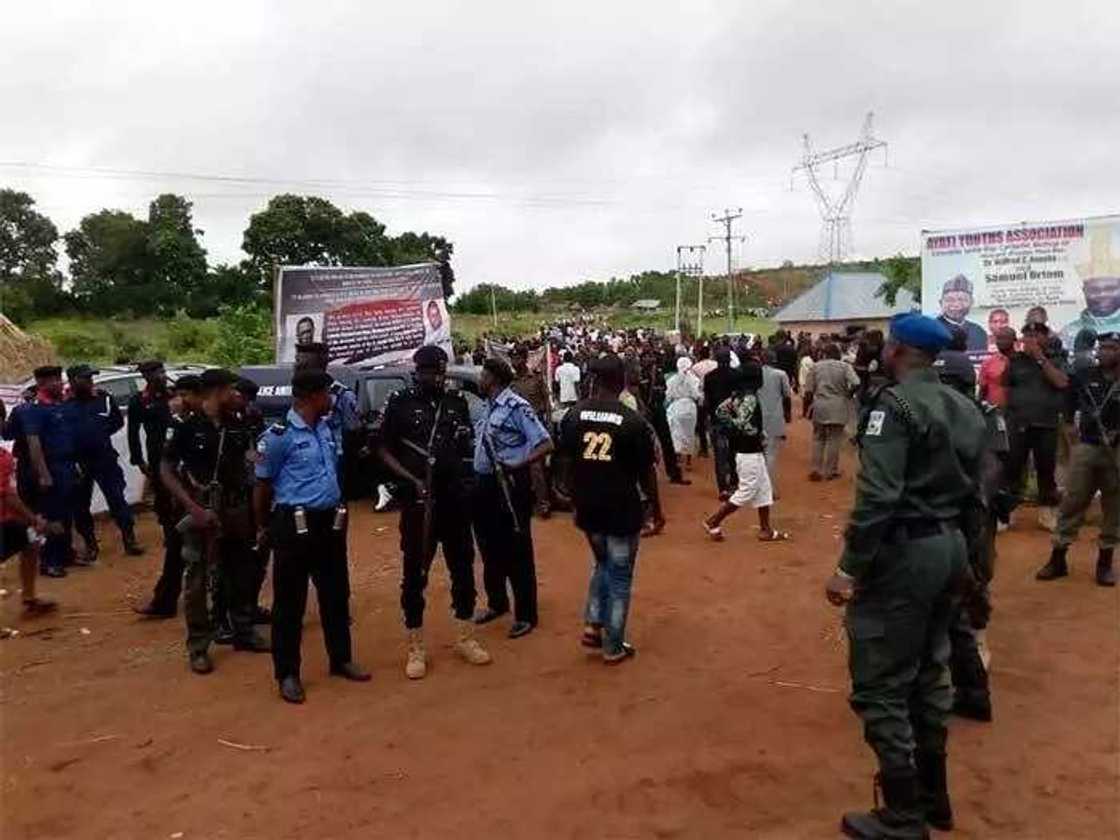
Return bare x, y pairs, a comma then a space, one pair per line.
611, 451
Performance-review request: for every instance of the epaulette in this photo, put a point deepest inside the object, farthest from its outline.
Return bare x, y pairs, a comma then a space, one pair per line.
902, 405
278, 428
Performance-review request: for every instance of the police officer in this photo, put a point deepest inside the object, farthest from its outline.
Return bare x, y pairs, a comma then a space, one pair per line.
203, 467
96, 419
50, 479
428, 443
1094, 397
510, 438
904, 551
149, 417
344, 420
297, 493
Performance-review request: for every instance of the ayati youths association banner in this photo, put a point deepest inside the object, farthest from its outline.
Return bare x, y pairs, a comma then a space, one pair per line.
363, 314
983, 279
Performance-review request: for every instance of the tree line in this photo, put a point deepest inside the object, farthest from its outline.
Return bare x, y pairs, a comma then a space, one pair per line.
123, 265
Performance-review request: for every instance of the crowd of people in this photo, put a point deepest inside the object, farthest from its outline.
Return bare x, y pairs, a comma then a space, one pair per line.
588, 424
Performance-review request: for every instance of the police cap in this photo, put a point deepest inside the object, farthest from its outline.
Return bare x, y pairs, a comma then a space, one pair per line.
920, 331
48, 371
216, 378
308, 382
81, 372
247, 387
429, 356
960, 283
189, 382
150, 366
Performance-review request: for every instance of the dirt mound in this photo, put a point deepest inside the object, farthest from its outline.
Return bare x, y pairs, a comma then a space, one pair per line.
21, 353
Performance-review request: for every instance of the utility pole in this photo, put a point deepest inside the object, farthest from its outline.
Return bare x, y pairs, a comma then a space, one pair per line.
836, 235
690, 263
494, 305
726, 219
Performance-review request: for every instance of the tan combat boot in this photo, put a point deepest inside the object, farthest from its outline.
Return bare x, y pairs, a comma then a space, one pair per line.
417, 665
469, 647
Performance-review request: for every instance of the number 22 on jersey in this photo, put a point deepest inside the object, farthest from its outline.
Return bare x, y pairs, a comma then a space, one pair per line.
597, 446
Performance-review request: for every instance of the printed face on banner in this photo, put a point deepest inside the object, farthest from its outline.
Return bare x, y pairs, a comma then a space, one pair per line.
370, 314
1066, 274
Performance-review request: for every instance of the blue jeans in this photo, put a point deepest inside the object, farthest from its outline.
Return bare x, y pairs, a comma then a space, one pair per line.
608, 596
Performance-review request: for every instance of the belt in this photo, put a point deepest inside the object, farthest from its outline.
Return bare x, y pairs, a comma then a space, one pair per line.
919, 529
311, 513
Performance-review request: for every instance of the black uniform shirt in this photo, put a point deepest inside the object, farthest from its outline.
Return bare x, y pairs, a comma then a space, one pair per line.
96, 419
148, 411
1031, 398
610, 446
1090, 392
192, 449
409, 416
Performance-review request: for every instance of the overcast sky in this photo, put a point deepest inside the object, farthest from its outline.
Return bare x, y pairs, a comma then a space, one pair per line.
560, 141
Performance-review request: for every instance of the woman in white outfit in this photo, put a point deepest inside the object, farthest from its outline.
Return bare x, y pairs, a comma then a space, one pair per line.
682, 396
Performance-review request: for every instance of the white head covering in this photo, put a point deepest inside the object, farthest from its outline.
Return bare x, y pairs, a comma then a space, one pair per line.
683, 364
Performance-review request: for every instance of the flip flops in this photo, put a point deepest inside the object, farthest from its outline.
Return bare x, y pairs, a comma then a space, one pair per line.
774, 536
628, 650
714, 534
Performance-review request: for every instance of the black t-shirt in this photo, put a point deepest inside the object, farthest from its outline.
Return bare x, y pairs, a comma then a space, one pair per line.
1031, 399
610, 446
718, 385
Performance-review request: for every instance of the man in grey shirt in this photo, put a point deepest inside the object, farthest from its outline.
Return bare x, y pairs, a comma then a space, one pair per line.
831, 383
774, 398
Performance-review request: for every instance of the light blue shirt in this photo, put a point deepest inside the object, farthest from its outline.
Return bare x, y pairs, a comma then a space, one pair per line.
513, 429
344, 415
301, 462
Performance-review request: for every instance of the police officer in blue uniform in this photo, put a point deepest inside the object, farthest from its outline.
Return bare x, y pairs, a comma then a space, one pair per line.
510, 438
344, 419
47, 429
96, 419
297, 493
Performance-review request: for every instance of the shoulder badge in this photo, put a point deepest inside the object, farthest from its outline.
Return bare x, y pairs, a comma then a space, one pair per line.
875, 423
278, 428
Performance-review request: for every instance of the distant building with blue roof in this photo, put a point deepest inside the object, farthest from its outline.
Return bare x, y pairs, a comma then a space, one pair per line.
842, 300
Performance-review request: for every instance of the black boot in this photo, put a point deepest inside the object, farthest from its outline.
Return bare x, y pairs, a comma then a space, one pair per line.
1105, 574
131, 547
934, 791
1056, 567
902, 817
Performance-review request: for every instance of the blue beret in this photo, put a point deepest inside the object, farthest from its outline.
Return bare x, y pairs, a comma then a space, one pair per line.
920, 331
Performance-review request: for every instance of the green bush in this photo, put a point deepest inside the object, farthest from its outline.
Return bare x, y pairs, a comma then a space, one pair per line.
244, 336
73, 345
189, 339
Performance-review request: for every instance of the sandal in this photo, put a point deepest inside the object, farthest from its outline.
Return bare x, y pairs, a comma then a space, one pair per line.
774, 536
714, 534
628, 650
592, 637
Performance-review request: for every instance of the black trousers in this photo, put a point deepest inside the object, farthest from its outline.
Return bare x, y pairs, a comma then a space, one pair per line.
702, 431
507, 555
660, 425
107, 473
451, 528
1042, 442
165, 596
318, 555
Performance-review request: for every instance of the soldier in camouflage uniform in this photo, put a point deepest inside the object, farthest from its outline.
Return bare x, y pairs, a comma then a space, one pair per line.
920, 453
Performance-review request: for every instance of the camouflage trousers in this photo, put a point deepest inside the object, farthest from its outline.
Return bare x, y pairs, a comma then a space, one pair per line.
898, 633
1091, 468
205, 556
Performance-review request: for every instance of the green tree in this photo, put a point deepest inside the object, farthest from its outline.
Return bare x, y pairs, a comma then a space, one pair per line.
29, 282
306, 230
902, 273
176, 261
109, 266
223, 285
411, 248
244, 336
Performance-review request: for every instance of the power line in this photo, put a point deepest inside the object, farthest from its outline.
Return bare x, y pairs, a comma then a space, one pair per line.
726, 219
836, 235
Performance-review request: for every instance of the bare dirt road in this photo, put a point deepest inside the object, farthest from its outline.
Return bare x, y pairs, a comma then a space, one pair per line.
731, 722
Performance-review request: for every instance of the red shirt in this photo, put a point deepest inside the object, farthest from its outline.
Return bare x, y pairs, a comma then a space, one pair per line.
990, 379
7, 468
